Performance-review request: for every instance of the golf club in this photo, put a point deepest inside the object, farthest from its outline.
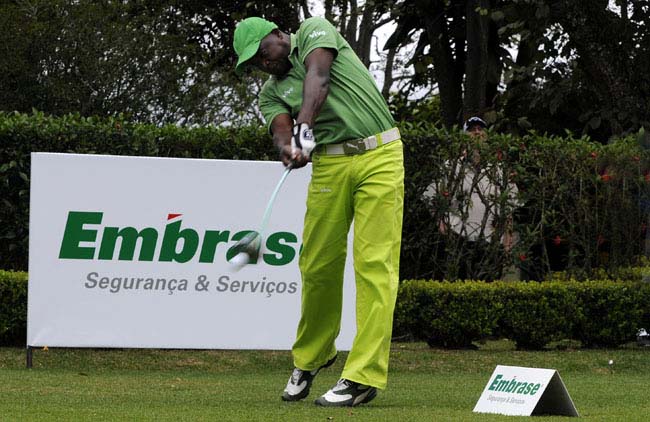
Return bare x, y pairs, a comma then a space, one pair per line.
247, 249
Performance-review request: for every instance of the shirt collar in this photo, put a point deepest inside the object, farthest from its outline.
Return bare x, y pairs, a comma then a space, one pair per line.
294, 42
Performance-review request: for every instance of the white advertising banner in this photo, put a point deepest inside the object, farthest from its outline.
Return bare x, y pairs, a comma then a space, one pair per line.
132, 252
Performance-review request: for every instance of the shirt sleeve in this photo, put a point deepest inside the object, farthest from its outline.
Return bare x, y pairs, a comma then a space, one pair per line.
271, 105
316, 33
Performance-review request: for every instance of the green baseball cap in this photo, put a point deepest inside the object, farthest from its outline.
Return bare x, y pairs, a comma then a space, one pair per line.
248, 35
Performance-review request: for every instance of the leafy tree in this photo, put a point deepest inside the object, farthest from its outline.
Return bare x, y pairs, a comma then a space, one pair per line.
455, 50
578, 63
551, 65
155, 61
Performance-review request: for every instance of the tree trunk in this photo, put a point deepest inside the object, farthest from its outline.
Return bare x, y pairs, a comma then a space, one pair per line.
343, 17
329, 15
388, 73
351, 30
495, 65
477, 57
366, 29
305, 9
449, 82
610, 67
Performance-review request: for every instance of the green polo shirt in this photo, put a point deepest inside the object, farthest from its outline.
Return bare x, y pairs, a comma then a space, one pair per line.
354, 107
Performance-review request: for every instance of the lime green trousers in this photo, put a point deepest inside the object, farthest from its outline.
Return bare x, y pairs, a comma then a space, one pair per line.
369, 189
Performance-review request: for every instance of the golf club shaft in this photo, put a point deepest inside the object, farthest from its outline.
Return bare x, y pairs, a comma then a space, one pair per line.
269, 206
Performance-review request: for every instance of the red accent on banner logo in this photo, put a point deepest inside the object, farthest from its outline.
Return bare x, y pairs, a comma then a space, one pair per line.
170, 216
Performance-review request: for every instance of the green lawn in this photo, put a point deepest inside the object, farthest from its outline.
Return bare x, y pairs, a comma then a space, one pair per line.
424, 384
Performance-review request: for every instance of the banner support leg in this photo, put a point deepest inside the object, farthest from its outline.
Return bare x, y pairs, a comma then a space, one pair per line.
29, 356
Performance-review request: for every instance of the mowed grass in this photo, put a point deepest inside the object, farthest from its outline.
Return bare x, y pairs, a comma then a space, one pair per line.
194, 385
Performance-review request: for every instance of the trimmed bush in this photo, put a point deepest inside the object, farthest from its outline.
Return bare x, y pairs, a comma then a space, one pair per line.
535, 314
445, 314
453, 315
610, 314
13, 308
597, 313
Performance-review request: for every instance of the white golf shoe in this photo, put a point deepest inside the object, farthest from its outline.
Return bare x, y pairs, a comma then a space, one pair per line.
347, 393
300, 382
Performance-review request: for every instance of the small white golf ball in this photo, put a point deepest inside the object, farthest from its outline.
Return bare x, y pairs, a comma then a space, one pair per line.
238, 261
611, 362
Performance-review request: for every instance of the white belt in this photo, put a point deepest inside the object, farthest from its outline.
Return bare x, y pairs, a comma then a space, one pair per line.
359, 146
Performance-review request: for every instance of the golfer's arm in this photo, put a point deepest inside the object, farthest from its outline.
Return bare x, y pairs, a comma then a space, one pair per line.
281, 129
316, 85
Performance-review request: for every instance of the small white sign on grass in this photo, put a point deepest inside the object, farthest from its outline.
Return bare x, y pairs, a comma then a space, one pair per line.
519, 391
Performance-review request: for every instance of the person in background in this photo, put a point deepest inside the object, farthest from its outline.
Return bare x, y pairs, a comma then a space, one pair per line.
477, 212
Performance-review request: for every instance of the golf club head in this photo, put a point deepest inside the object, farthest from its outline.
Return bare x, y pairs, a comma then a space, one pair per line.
238, 261
247, 249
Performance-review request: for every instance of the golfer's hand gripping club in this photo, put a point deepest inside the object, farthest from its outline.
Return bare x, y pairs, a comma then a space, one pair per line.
302, 140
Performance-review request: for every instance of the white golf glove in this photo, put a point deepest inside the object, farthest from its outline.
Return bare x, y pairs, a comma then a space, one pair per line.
303, 139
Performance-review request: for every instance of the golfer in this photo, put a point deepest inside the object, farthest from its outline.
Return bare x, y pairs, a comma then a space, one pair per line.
321, 103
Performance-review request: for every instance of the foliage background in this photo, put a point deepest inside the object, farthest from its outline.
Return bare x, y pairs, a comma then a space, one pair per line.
583, 204
547, 65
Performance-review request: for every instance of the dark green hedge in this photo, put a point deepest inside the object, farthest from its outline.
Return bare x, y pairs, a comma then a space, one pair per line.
13, 308
598, 313
583, 206
21, 134
453, 315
